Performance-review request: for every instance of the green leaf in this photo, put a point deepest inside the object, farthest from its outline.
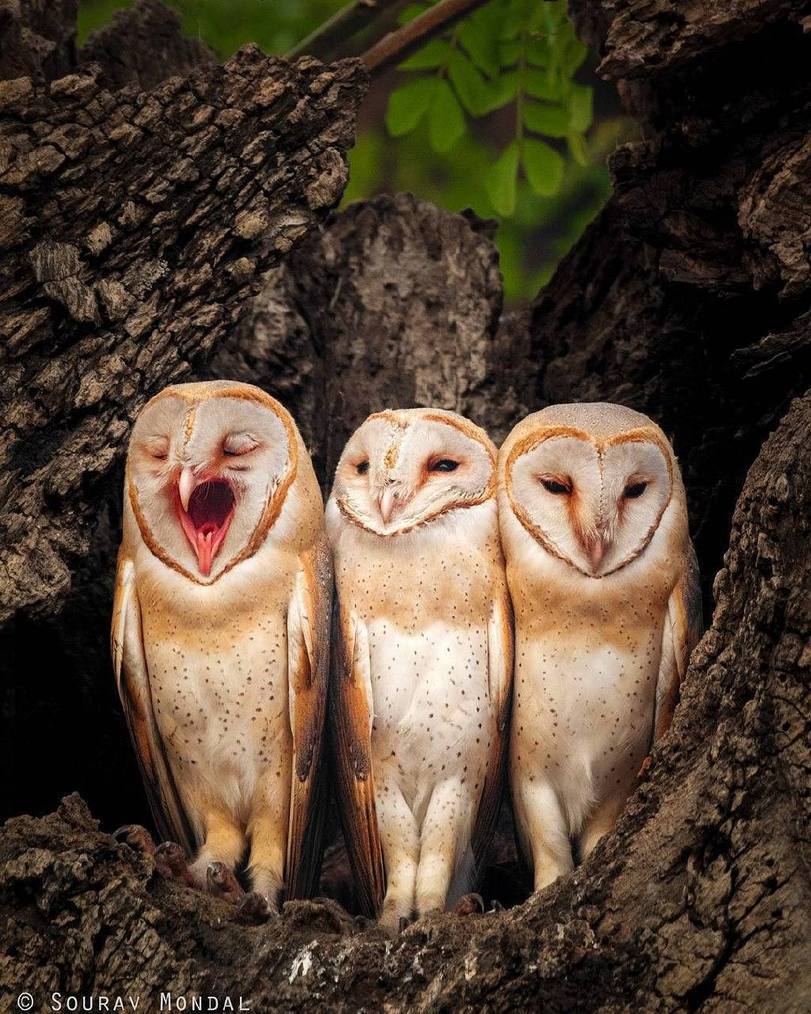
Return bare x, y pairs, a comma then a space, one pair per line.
580, 108
446, 121
539, 52
498, 93
407, 105
433, 54
577, 149
543, 167
502, 179
573, 54
469, 84
479, 36
508, 52
553, 121
541, 84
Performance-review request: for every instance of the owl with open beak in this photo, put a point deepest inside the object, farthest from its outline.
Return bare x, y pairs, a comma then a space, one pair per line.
220, 632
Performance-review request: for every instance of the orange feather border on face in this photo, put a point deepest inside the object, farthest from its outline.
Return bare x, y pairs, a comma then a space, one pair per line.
273, 505
465, 426
527, 443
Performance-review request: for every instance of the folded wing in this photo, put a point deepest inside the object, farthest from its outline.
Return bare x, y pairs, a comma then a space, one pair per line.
351, 715
132, 680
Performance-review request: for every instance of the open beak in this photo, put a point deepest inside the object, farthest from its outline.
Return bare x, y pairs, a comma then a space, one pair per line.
205, 508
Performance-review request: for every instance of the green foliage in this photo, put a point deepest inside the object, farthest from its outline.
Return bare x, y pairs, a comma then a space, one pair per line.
517, 53
489, 116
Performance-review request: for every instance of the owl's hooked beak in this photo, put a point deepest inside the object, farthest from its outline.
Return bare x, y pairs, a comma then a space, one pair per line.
387, 503
596, 550
205, 509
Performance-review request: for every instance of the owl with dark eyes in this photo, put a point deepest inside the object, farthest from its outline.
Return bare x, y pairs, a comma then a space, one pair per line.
422, 657
220, 631
604, 585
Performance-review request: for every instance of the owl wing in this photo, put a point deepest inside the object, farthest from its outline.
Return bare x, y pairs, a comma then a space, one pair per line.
132, 680
308, 632
352, 712
682, 631
500, 675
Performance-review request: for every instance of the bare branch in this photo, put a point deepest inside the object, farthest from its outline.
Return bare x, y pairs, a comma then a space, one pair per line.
329, 37
399, 44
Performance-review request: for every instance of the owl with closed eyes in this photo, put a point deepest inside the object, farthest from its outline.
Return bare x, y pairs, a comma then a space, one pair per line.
604, 585
220, 631
422, 657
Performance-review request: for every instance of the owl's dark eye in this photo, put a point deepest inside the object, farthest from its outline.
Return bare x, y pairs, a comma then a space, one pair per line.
634, 490
443, 465
556, 487
362, 467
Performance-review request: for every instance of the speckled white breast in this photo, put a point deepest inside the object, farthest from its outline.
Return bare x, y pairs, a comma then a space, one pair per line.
433, 718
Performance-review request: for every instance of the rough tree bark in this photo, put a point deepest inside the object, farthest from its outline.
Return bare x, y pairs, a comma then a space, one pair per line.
689, 297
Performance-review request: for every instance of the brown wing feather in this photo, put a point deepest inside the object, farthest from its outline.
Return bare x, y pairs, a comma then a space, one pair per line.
683, 629
132, 680
351, 732
308, 670
500, 672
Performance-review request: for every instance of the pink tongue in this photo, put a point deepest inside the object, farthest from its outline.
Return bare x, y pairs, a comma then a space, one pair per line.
205, 539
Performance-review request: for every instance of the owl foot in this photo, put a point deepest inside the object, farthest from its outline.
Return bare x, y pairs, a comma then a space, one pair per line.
170, 862
137, 837
403, 924
221, 882
469, 904
496, 906
252, 909
643, 770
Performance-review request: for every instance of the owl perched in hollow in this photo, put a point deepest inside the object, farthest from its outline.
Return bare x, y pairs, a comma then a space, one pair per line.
604, 585
422, 657
220, 630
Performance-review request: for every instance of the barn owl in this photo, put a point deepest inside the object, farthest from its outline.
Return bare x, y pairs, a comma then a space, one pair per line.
220, 631
423, 659
604, 584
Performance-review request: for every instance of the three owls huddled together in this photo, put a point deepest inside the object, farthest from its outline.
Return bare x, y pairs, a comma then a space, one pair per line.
456, 611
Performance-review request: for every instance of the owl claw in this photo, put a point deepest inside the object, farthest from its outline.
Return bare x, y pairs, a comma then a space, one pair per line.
469, 904
137, 837
644, 767
252, 909
170, 862
496, 906
403, 924
221, 882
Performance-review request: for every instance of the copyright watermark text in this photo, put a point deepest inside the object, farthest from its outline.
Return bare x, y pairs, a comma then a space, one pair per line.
108, 1002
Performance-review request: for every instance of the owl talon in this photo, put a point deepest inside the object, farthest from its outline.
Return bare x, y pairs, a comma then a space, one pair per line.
137, 837
221, 882
496, 906
644, 768
253, 909
469, 904
170, 862
403, 923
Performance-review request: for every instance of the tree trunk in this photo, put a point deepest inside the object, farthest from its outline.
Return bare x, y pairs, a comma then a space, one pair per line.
138, 221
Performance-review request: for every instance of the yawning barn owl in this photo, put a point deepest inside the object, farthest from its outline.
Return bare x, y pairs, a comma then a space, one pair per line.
221, 629
423, 659
604, 584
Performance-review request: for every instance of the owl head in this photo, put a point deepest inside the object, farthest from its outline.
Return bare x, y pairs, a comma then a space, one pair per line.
589, 483
406, 468
208, 469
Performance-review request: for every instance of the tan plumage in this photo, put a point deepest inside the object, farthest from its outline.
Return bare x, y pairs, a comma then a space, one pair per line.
220, 630
422, 657
604, 585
